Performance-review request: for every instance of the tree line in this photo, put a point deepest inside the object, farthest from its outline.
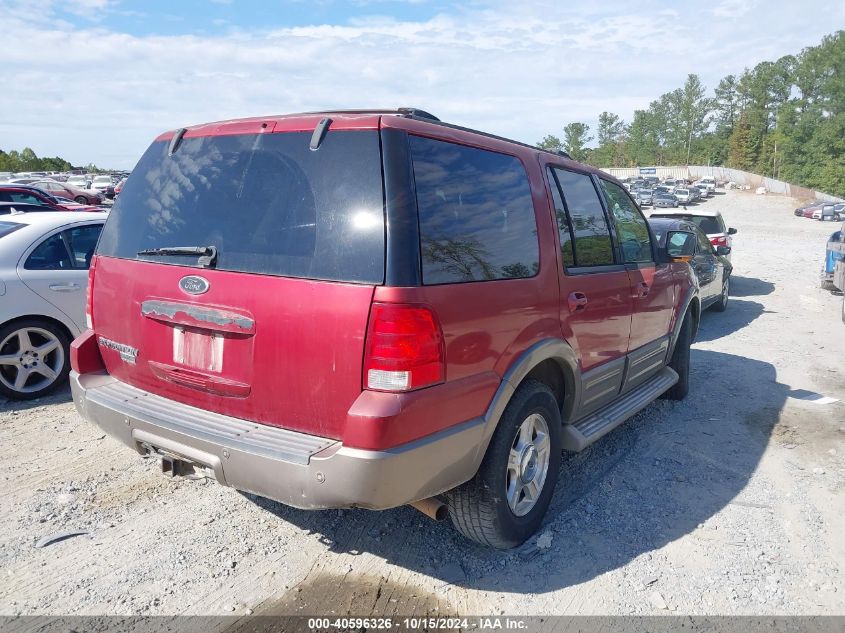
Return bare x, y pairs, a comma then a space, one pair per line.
784, 119
26, 160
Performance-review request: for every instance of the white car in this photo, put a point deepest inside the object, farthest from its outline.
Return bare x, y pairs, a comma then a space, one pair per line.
683, 195
711, 222
44, 260
101, 183
710, 182
82, 182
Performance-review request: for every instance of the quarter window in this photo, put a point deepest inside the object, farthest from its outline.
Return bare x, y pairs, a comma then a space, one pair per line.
631, 228
51, 254
476, 214
593, 246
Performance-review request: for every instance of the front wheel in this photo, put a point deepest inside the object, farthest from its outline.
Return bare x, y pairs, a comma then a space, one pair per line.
504, 504
680, 361
34, 358
722, 304
81, 200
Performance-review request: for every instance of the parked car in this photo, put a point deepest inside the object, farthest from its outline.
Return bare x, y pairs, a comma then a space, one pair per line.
705, 192
683, 195
800, 211
44, 260
269, 329
665, 200
64, 190
711, 222
118, 187
79, 181
8, 208
710, 183
831, 257
644, 197
103, 184
33, 195
710, 263
826, 212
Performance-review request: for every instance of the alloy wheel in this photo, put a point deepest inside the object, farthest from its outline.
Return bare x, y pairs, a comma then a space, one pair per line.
31, 359
528, 464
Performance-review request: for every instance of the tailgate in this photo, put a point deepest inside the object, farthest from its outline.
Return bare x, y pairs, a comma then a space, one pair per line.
274, 350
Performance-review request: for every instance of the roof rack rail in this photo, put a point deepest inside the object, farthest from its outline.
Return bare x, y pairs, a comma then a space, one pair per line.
422, 115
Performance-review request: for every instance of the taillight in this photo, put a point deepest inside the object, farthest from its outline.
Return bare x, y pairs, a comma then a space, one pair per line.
89, 295
404, 348
719, 241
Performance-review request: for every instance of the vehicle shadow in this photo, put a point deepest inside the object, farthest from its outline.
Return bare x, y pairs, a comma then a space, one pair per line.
651, 481
750, 287
60, 396
740, 314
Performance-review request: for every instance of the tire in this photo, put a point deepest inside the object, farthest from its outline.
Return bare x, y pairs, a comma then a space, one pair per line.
722, 304
483, 509
827, 284
843, 308
680, 361
81, 199
34, 347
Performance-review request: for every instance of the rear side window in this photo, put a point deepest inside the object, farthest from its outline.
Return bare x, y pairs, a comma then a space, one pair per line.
267, 202
476, 214
564, 229
51, 254
593, 246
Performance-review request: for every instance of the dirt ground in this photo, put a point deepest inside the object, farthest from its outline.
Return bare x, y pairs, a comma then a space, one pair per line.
730, 502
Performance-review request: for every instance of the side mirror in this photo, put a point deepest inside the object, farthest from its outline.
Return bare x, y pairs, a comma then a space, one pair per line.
731, 231
723, 250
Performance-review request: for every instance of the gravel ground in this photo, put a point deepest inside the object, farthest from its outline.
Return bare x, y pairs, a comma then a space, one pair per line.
729, 502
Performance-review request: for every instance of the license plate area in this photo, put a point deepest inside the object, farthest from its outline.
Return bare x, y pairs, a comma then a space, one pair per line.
198, 348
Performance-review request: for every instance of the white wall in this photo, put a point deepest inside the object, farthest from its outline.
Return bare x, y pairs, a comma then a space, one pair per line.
728, 174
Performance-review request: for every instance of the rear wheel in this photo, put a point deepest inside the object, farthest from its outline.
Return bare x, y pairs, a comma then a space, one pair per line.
504, 504
34, 358
81, 200
680, 361
722, 304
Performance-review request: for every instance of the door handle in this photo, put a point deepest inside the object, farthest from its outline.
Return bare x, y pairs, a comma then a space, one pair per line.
643, 289
577, 301
65, 287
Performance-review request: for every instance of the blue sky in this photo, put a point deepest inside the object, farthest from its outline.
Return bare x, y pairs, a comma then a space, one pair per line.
96, 80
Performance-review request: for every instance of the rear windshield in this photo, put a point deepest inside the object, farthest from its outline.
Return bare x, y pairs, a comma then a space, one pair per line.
266, 202
707, 224
9, 227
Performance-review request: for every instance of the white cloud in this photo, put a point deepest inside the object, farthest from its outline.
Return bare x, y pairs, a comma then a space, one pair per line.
734, 8
525, 70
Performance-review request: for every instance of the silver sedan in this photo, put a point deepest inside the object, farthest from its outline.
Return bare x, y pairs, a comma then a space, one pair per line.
44, 260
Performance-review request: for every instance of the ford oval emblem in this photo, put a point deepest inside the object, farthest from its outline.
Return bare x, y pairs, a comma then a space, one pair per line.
194, 284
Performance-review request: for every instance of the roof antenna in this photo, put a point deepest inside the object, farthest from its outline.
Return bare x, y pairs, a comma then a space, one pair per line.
319, 134
176, 141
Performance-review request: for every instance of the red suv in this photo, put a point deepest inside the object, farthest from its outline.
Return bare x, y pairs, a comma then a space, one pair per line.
375, 308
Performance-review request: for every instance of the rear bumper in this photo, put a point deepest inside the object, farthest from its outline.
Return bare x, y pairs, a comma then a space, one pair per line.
296, 469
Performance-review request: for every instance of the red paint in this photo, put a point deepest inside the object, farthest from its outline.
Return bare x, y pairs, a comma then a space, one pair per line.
85, 354
303, 364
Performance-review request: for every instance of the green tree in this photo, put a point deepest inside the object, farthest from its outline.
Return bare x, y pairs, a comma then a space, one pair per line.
575, 139
741, 152
610, 135
550, 143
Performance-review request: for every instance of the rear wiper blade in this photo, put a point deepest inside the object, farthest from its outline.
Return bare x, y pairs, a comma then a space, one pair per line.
207, 254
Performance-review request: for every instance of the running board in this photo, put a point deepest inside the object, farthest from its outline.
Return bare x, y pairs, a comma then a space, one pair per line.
578, 436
